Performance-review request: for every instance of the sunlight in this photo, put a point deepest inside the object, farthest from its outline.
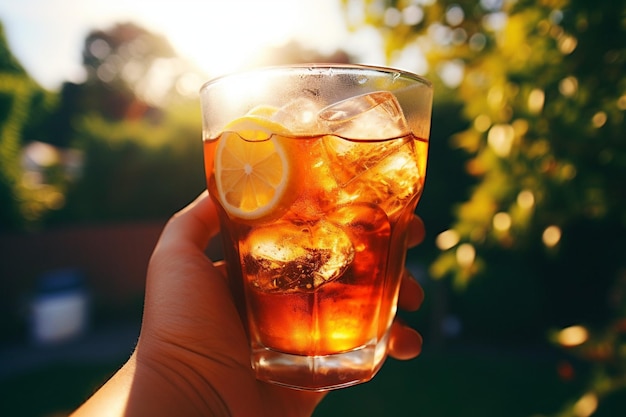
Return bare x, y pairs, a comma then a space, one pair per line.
568, 86
526, 199
536, 100
551, 236
599, 119
447, 239
465, 255
222, 37
218, 37
482, 123
502, 221
573, 336
500, 138
621, 102
586, 405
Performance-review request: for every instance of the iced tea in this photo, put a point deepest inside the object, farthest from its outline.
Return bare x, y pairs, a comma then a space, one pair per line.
314, 199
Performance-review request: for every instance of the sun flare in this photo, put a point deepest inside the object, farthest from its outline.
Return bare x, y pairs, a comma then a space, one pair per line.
221, 37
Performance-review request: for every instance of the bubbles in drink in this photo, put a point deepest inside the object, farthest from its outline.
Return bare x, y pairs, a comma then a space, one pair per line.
291, 257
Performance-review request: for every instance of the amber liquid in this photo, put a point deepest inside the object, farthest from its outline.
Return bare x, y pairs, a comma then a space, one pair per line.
289, 308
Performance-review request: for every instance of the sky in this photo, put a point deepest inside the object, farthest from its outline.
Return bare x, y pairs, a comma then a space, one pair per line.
47, 36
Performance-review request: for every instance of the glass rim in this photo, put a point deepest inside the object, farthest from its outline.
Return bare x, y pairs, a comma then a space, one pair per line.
390, 71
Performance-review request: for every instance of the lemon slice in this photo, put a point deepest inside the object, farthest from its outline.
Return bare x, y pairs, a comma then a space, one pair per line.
252, 168
263, 110
255, 128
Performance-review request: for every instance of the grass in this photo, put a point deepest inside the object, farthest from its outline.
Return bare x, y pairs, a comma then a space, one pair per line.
456, 383
440, 383
53, 391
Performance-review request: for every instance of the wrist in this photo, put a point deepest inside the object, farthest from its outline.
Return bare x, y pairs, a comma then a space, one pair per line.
170, 381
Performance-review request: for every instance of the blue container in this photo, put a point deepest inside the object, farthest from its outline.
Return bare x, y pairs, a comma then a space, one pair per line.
60, 307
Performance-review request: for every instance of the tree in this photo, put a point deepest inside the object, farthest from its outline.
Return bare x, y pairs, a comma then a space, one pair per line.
295, 53
132, 74
137, 130
134, 145
136, 64
542, 84
24, 105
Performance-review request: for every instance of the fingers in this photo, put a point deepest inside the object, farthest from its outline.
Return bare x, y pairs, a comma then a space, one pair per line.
180, 249
417, 231
182, 284
194, 225
411, 293
404, 342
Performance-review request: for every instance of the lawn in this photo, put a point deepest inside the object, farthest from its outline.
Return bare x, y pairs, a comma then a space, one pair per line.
451, 383
440, 383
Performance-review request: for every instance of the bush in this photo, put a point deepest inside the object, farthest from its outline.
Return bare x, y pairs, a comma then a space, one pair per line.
134, 170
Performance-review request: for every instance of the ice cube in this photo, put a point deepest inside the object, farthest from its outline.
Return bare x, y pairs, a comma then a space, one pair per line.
299, 116
365, 130
291, 257
391, 183
349, 159
370, 230
369, 116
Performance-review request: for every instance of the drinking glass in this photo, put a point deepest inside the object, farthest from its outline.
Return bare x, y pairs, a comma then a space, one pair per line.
316, 171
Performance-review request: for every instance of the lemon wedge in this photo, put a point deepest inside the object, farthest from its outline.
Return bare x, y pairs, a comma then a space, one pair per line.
252, 168
254, 128
263, 110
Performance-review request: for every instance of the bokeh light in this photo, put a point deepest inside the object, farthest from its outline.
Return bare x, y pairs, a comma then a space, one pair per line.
586, 405
573, 336
551, 236
447, 239
465, 255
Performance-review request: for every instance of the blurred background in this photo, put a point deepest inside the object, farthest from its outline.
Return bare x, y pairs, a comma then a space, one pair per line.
524, 265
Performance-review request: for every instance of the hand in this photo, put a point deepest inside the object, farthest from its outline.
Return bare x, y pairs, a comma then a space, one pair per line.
192, 357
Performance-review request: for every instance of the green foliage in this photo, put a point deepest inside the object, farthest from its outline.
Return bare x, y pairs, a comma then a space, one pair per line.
135, 170
543, 88
527, 147
111, 149
23, 108
132, 63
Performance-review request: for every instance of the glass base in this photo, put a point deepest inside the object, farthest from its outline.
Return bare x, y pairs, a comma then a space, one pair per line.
319, 373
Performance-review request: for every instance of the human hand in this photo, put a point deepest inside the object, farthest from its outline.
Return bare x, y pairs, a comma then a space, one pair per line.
192, 357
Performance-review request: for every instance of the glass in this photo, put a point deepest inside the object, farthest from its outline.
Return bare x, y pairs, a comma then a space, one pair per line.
316, 172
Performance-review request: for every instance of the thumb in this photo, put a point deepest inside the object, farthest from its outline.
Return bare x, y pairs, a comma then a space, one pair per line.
193, 226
